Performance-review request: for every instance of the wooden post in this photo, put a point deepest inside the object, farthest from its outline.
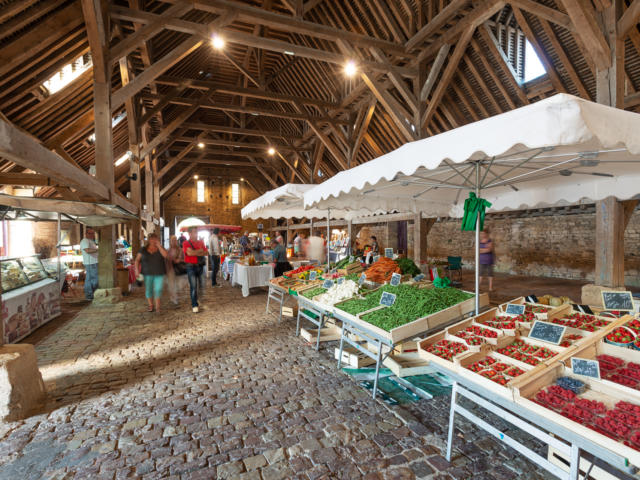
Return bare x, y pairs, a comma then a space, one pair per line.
609, 243
349, 235
610, 81
136, 199
148, 194
421, 228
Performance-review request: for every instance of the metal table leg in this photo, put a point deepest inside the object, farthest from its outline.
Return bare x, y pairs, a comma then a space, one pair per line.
452, 417
378, 362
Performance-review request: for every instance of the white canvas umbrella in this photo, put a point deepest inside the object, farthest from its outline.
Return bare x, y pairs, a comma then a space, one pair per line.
560, 150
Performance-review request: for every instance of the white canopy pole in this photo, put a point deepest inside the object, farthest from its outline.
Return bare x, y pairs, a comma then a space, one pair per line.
478, 241
328, 238
59, 248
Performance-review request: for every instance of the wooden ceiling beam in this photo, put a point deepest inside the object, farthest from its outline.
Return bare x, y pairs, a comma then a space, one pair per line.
396, 80
234, 143
168, 130
629, 19
263, 43
448, 73
175, 160
586, 27
205, 127
24, 150
544, 12
176, 181
370, 110
429, 83
491, 71
26, 179
436, 23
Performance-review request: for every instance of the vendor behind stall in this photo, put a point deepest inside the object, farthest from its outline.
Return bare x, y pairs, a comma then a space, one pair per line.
280, 258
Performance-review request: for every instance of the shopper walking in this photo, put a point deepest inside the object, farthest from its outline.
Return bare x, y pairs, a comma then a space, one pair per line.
90, 261
214, 256
150, 262
194, 256
280, 259
244, 240
176, 269
487, 257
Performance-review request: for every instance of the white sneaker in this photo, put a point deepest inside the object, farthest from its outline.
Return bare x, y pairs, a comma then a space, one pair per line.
194, 309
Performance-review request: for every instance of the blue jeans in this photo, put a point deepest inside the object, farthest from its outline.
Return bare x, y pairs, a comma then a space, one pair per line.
194, 275
91, 280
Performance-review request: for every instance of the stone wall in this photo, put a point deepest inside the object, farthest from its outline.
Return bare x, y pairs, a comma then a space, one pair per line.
45, 237
549, 246
217, 205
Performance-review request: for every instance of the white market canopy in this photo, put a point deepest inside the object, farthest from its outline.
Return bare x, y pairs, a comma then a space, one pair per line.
287, 201
560, 150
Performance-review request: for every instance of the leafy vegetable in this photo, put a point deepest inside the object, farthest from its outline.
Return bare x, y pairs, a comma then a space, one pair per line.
408, 267
313, 292
411, 303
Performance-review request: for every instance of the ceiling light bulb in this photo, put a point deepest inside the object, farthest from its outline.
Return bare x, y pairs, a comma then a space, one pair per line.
218, 42
200, 145
195, 176
242, 179
272, 151
350, 68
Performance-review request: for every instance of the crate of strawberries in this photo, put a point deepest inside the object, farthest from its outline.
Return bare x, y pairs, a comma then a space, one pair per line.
496, 375
444, 350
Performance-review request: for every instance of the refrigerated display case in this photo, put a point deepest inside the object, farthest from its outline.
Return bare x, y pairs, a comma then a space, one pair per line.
30, 298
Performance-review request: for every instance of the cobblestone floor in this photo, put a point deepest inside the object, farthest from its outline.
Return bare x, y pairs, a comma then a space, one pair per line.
226, 393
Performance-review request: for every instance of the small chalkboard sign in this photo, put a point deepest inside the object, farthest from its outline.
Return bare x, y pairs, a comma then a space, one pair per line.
395, 279
582, 308
418, 277
388, 252
327, 284
588, 368
514, 309
617, 300
362, 278
351, 258
376, 258
387, 299
547, 332
313, 275
531, 299
340, 280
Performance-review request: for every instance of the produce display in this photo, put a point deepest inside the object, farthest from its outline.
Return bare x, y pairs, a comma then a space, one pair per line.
33, 269
503, 323
302, 272
342, 263
411, 303
381, 271
581, 321
408, 267
619, 371
12, 275
554, 301
312, 292
338, 292
499, 372
475, 335
447, 349
622, 337
569, 339
525, 352
621, 423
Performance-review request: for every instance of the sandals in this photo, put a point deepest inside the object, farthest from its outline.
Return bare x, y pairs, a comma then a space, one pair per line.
149, 309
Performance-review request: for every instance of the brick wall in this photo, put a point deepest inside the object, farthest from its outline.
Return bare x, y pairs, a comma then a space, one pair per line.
549, 246
217, 205
45, 237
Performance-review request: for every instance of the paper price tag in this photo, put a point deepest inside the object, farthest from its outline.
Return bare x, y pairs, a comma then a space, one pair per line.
395, 279
327, 284
340, 280
313, 275
376, 258
362, 278
419, 277
388, 252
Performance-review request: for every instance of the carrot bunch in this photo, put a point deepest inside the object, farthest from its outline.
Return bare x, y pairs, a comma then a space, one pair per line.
382, 270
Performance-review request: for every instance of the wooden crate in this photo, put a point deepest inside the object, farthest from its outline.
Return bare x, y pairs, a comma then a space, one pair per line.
561, 352
527, 388
490, 314
327, 334
452, 365
553, 311
407, 364
430, 322
464, 324
353, 358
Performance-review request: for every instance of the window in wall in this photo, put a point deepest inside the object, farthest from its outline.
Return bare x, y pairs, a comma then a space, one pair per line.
67, 74
200, 191
533, 67
235, 193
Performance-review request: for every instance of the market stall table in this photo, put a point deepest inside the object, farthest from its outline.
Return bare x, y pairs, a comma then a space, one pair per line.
250, 276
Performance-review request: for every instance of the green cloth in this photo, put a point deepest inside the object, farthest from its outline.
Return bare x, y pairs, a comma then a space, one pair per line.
472, 207
441, 282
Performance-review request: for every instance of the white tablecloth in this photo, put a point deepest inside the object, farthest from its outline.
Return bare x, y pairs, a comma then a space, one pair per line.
249, 277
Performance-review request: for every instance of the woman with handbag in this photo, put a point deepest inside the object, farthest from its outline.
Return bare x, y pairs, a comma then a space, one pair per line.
150, 262
194, 256
176, 269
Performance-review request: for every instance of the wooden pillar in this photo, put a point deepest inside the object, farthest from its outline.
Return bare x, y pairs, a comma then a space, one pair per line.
609, 249
148, 194
421, 228
610, 81
136, 199
391, 240
349, 235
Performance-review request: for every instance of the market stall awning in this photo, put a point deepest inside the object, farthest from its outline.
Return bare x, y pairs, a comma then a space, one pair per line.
561, 150
287, 201
224, 229
35, 208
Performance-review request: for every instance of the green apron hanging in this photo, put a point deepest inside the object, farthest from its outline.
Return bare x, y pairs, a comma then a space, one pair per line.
472, 206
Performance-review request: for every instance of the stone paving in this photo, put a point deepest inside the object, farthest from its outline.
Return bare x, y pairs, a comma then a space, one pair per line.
226, 393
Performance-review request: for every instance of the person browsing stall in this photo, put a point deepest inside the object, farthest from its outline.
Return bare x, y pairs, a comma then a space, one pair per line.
214, 256
280, 258
150, 261
194, 256
90, 260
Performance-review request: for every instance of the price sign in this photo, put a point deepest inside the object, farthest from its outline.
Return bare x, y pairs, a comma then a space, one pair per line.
327, 284
313, 275
588, 368
387, 299
340, 280
376, 258
617, 300
514, 309
351, 259
419, 277
582, 308
388, 252
547, 332
395, 279
362, 278
333, 270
